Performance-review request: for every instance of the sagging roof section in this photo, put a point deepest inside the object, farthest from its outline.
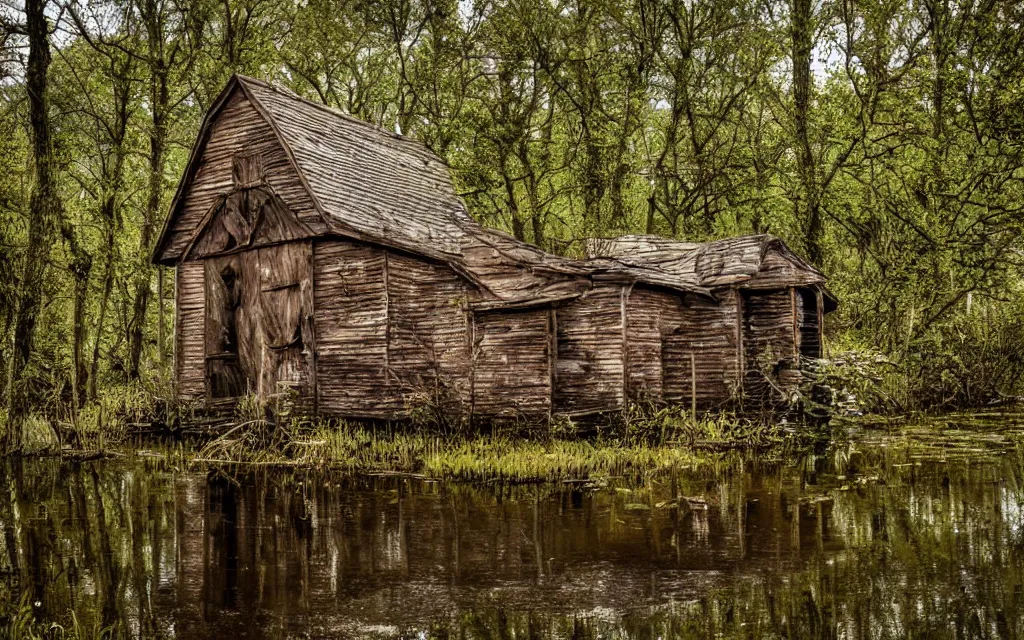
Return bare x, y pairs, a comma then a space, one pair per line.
756, 261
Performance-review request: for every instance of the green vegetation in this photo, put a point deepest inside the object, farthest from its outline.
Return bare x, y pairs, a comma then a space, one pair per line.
511, 452
883, 141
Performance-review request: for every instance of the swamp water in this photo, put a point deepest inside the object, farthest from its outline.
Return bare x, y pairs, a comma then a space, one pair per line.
899, 532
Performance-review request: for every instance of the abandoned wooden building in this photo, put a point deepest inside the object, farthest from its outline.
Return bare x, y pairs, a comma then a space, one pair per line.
321, 258
752, 342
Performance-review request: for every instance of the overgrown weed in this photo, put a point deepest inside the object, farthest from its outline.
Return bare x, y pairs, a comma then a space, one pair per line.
641, 440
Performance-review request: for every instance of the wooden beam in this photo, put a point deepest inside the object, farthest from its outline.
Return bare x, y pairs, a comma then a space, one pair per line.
820, 309
552, 357
796, 324
175, 385
624, 321
471, 337
314, 356
387, 324
740, 357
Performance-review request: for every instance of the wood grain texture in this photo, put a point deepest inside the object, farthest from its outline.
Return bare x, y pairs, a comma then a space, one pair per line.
650, 314
809, 321
510, 364
189, 331
707, 332
768, 338
366, 180
351, 329
286, 320
757, 261
590, 359
428, 349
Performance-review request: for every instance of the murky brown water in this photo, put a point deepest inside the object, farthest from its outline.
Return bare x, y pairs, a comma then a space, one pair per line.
875, 538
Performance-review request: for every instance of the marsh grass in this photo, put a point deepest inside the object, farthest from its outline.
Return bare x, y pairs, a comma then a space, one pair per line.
100, 424
634, 443
18, 621
641, 440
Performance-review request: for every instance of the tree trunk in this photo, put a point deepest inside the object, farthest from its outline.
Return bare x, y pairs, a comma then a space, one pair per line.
161, 334
107, 213
809, 211
143, 279
80, 268
44, 211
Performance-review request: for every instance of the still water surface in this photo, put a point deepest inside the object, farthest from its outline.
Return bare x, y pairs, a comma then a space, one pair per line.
883, 535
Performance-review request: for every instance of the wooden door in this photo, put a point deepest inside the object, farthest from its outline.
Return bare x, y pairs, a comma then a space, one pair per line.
259, 334
285, 311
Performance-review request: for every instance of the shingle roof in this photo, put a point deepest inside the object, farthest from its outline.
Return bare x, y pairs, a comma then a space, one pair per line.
744, 259
368, 180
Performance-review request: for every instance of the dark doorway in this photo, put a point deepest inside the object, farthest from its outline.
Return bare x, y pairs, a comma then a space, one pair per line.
810, 324
224, 373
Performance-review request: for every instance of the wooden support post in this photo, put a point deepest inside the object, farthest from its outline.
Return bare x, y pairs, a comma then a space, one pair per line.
740, 359
796, 325
387, 324
693, 386
471, 335
314, 348
552, 358
176, 334
623, 299
161, 346
820, 309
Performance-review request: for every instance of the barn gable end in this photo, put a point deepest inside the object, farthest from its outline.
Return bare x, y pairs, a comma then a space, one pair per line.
235, 137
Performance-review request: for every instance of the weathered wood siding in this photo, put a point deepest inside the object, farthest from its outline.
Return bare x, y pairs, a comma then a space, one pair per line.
428, 346
232, 329
590, 364
350, 298
189, 334
259, 332
769, 338
779, 272
239, 129
649, 314
285, 309
709, 331
511, 363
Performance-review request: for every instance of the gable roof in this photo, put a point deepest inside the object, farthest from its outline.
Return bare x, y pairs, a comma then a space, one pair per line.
369, 184
365, 182
755, 261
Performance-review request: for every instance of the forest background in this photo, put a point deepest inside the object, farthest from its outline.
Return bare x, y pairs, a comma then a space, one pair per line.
883, 140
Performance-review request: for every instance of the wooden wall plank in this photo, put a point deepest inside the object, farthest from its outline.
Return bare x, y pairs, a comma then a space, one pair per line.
650, 313
189, 331
590, 359
428, 349
769, 345
510, 368
808, 303
705, 330
351, 327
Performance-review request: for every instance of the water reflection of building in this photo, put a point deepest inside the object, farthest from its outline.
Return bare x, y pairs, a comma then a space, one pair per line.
405, 553
190, 556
